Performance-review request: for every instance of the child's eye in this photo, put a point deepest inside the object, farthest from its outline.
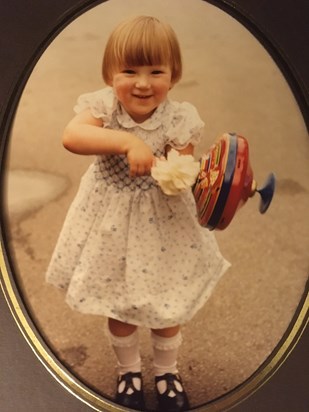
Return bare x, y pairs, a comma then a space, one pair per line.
157, 72
128, 71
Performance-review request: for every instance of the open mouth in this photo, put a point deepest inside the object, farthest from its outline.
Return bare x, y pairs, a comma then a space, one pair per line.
142, 97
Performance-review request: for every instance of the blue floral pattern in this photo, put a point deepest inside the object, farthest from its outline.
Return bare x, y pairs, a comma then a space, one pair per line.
127, 250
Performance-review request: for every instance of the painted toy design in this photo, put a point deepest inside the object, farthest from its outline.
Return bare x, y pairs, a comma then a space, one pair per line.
225, 182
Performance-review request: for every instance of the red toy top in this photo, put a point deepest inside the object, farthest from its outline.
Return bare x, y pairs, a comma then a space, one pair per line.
225, 182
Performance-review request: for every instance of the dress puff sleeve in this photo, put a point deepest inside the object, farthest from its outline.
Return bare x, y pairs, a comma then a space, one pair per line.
101, 103
185, 125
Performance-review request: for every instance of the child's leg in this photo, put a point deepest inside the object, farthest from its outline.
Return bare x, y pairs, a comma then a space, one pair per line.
124, 339
166, 343
171, 394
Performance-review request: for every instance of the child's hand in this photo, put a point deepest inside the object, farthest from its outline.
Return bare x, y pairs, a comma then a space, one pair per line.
140, 158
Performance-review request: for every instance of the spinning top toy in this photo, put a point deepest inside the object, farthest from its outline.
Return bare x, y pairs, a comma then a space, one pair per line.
225, 182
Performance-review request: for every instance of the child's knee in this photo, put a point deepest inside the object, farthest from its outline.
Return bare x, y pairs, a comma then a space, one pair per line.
119, 328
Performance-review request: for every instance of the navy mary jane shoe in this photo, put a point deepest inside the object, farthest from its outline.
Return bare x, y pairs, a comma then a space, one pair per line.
174, 398
130, 391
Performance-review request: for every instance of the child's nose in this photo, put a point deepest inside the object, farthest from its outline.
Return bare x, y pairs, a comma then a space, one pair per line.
143, 82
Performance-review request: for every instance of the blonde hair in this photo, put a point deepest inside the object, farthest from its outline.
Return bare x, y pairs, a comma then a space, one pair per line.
142, 41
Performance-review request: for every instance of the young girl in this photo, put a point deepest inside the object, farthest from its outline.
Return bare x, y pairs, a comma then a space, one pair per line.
127, 250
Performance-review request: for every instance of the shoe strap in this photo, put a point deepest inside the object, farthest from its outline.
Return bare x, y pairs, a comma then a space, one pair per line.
170, 379
128, 379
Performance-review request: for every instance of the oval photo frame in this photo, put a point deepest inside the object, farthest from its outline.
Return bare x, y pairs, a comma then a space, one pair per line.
63, 15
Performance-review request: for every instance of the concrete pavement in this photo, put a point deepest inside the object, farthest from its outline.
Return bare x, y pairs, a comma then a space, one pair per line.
236, 87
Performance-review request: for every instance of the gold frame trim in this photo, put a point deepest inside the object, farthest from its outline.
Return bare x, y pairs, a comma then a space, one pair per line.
70, 383
76, 388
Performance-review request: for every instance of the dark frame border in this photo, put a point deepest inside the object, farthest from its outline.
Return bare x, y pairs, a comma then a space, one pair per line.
30, 30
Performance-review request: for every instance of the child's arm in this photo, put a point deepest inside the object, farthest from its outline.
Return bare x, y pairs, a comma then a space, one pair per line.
85, 135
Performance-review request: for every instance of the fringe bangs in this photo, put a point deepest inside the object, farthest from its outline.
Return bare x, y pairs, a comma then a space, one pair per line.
143, 41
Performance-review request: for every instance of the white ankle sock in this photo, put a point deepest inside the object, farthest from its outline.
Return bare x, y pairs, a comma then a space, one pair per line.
165, 352
127, 352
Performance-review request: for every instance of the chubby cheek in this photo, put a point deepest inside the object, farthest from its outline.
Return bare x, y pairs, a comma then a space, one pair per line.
162, 92
164, 87
119, 92
121, 88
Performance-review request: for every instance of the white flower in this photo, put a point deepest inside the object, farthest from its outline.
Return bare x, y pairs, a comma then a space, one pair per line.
176, 173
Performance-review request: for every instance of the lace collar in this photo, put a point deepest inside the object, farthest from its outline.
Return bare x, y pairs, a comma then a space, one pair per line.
153, 123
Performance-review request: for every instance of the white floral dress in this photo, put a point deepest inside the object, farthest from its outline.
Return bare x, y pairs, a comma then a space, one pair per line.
127, 250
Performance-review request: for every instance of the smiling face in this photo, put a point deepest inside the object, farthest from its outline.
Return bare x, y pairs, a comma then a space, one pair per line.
140, 89
142, 61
